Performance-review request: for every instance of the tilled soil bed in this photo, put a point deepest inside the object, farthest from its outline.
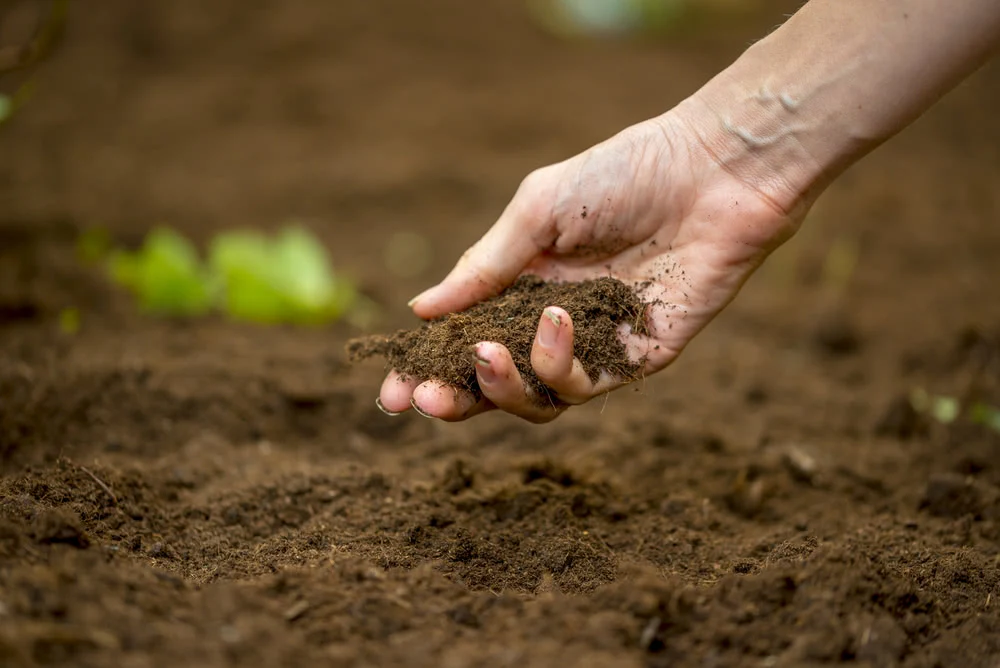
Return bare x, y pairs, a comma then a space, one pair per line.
205, 493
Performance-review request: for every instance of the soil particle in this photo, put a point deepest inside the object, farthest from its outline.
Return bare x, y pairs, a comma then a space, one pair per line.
457, 477
879, 641
802, 466
444, 348
756, 395
951, 495
59, 526
748, 493
901, 420
836, 334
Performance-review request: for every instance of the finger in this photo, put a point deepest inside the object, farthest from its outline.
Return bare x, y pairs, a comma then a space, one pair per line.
394, 396
501, 383
493, 262
552, 357
434, 399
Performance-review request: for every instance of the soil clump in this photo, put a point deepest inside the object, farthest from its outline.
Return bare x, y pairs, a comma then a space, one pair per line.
444, 348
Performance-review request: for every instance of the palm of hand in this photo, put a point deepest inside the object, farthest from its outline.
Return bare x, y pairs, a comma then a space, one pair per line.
654, 213
645, 207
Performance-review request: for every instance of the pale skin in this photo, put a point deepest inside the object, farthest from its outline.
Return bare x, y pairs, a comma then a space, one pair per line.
693, 201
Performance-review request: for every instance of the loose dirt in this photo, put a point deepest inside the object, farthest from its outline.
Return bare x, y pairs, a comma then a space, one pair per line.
444, 349
211, 494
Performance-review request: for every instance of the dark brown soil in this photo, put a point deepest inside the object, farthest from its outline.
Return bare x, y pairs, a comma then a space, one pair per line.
211, 494
444, 348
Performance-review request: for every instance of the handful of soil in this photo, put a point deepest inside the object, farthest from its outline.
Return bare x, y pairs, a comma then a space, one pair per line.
444, 348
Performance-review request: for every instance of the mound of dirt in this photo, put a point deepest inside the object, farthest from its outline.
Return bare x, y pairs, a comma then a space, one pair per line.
444, 348
212, 494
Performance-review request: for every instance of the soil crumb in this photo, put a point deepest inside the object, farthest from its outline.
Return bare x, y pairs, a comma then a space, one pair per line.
444, 348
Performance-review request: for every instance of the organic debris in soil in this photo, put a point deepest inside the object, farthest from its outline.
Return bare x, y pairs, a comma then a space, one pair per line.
444, 348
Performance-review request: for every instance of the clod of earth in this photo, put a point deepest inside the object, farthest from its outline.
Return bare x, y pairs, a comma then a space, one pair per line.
444, 348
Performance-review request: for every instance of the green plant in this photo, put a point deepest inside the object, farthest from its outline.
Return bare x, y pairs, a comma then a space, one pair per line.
69, 321
93, 245
165, 274
574, 18
285, 279
988, 416
248, 276
946, 409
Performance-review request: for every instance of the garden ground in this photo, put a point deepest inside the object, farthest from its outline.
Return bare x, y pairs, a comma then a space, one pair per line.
214, 494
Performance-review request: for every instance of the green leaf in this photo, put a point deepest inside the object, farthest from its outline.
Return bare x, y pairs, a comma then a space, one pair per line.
93, 244
986, 415
287, 279
165, 274
249, 276
6, 107
69, 321
945, 409
942, 408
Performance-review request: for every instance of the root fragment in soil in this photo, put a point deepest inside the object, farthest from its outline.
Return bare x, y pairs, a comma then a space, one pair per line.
444, 348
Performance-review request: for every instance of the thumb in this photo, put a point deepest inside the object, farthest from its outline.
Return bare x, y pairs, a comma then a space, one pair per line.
491, 264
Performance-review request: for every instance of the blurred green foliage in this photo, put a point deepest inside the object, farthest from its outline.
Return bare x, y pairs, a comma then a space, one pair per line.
632, 18
946, 409
93, 244
285, 279
69, 321
942, 408
165, 274
988, 416
248, 276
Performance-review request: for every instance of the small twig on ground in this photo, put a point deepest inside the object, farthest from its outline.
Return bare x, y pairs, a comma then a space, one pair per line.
100, 483
42, 42
296, 611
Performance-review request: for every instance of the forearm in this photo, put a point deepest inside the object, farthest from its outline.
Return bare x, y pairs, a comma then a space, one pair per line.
832, 83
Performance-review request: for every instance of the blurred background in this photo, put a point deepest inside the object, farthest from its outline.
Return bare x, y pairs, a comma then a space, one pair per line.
799, 448
397, 131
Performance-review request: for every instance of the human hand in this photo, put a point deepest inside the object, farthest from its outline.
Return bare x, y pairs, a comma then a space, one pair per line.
649, 206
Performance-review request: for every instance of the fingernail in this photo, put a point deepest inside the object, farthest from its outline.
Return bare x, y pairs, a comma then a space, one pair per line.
485, 369
416, 299
548, 329
419, 410
378, 402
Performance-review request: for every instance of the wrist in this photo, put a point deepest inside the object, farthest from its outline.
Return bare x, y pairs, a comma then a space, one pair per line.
771, 132
832, 83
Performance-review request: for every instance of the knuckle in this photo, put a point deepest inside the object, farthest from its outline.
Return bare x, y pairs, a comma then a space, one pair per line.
534, 180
